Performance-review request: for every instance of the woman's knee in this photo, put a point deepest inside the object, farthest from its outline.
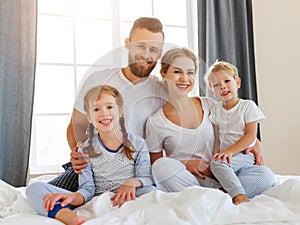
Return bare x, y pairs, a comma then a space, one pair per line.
164, 168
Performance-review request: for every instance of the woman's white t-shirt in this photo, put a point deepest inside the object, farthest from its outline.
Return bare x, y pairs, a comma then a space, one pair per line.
178, 142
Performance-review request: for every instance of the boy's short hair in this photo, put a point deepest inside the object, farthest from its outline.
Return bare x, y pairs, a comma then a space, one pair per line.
220, 66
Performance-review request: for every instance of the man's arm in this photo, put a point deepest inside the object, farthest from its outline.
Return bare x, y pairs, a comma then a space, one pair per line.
77, 128
76, 134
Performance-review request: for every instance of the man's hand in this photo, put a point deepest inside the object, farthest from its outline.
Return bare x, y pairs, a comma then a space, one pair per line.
76, 133
78, 160
257, 152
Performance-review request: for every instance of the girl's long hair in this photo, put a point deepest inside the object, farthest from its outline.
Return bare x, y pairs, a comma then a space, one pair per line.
93, 95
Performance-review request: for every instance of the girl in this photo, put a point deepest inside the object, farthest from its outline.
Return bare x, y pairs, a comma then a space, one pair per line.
121, 163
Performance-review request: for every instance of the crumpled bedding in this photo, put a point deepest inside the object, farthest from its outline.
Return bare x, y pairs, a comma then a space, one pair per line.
194, 205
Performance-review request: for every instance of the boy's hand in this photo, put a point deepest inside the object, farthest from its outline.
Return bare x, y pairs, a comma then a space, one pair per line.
224, 155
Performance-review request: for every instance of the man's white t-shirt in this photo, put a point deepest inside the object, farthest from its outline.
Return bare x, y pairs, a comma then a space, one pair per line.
140, 100
231, 123
178, 142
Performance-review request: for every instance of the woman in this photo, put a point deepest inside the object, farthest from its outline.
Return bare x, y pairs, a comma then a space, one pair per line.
182, 130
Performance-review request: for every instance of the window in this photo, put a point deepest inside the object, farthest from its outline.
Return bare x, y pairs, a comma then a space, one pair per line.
72, 35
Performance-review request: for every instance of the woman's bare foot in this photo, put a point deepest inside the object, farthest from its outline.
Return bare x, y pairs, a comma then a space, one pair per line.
78, 220
240, 199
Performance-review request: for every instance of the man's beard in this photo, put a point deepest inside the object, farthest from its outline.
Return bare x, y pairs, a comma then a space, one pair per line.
140, 71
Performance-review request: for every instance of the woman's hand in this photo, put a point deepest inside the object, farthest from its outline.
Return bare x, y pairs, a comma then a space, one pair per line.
257, 152
199, 167
78, 160
126, 192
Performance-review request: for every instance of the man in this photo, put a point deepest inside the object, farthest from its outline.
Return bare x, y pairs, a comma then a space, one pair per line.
143, 94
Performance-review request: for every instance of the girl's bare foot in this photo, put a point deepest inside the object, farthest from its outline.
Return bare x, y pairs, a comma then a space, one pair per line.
78, 220
240, 199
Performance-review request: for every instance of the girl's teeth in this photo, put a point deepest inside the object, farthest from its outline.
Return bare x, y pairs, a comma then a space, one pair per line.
105, 121
182, 86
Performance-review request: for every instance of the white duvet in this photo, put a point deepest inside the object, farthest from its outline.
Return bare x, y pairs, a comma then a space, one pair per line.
195, 205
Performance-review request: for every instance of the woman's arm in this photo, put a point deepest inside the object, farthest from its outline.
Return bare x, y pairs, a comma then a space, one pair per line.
155, 156
216, 147
198, 167
257, 151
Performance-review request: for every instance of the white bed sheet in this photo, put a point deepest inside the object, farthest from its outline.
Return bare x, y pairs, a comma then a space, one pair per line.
195, 205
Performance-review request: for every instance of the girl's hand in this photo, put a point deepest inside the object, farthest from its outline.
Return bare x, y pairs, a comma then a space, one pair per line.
50, 199
126, 192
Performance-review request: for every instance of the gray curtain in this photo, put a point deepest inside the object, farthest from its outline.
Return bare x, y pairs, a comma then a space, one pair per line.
226, 33
18, 20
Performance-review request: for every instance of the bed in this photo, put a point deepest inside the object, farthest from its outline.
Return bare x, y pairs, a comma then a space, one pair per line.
194, 205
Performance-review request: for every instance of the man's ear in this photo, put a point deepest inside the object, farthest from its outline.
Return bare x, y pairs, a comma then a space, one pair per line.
127, 42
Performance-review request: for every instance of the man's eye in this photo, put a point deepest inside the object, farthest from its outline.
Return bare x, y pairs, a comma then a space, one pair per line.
154, 50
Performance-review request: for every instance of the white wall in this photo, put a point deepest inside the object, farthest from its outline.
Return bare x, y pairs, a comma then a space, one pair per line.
277, 48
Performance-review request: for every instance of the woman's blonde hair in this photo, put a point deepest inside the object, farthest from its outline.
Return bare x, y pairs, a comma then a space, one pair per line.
172, 54
220, 66
93, 95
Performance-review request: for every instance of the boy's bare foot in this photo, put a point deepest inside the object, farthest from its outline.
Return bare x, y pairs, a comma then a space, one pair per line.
78, 220
240, 199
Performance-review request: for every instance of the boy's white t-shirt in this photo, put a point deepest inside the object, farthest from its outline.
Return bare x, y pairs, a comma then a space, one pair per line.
178, 142
140, 100
231, 123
